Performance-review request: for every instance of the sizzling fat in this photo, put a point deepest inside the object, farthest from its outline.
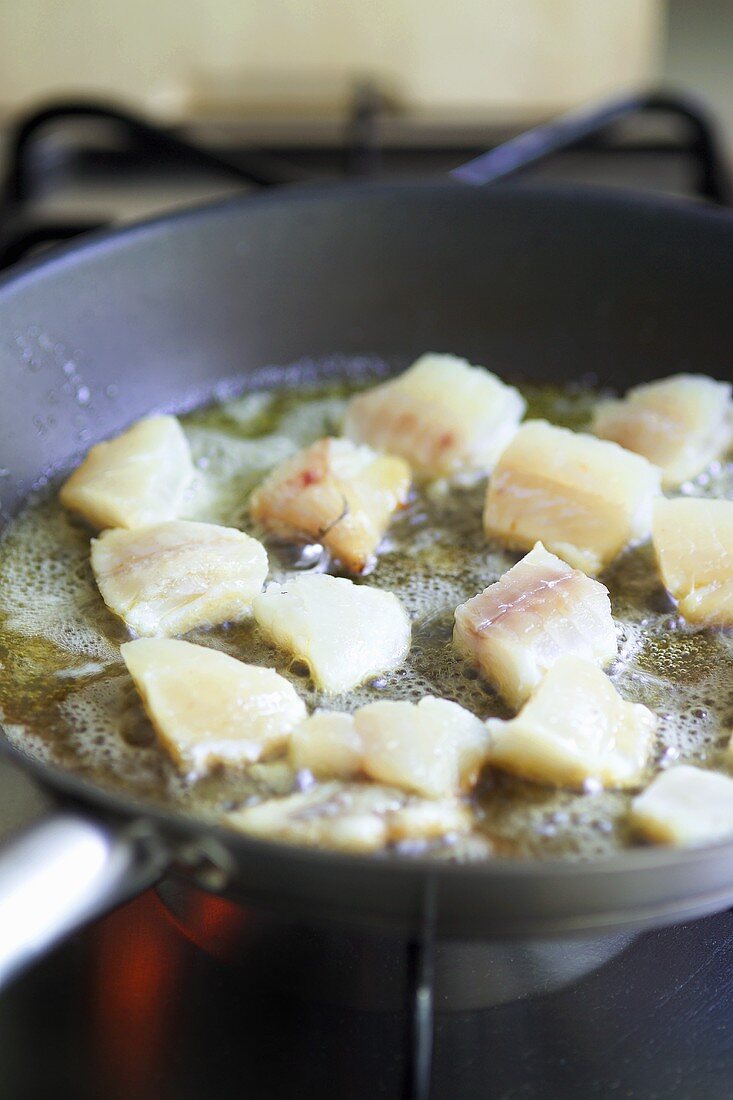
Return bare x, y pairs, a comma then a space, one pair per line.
88, 715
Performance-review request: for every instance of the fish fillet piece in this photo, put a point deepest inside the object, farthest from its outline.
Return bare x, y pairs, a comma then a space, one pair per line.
171, 577
330, 745
681, 424
539, 611
585, 498
345, 632
352, 817
693, 542
576, 728
685, 805
429, 820
434, 748
336, 494
133, 480
327, 745
447, 418
347, 817
208, 708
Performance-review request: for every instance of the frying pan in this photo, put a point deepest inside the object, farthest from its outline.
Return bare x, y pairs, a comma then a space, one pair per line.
540, 283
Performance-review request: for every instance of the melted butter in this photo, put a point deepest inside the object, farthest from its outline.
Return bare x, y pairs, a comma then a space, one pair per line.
66, 696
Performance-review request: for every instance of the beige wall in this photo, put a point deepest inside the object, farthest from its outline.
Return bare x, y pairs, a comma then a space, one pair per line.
497, 56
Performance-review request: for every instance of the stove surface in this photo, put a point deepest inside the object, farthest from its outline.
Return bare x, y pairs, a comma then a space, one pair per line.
131, 1009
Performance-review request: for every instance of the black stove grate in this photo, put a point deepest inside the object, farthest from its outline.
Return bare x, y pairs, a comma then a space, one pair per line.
131, 147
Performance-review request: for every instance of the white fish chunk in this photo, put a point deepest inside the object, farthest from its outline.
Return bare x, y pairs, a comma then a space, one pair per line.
585, 498
685, 805
336, 494
540, 610
345, 632
429, 820
347, 817
681, 424
170, 577
693, 542
434, 748
327, 745
447, 418
576, 728
352, 817
208, 708
133, 480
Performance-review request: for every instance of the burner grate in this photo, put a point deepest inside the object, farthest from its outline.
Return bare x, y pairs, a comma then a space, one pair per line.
114, 143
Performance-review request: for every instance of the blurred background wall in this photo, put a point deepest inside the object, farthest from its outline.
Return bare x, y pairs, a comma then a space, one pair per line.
697, 52
508, 59
509, 62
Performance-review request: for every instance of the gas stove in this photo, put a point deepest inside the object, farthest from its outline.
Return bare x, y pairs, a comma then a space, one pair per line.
177, 996
131, 1008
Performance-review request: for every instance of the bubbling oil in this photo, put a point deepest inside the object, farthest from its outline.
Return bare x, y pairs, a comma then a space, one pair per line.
66, 697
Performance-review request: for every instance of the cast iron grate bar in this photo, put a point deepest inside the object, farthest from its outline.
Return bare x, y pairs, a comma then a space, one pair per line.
363, 154
253, 168
421, 1002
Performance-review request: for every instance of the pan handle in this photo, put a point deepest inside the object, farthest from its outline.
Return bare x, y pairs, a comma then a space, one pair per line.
63, 871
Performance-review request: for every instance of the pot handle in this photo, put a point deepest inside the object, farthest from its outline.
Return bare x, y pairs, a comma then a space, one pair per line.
63, 871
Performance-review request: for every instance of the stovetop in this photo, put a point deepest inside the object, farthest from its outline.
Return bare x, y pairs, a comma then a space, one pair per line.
130, 1007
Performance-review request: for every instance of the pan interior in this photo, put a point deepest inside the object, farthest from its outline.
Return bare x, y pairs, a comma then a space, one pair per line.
66, 698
